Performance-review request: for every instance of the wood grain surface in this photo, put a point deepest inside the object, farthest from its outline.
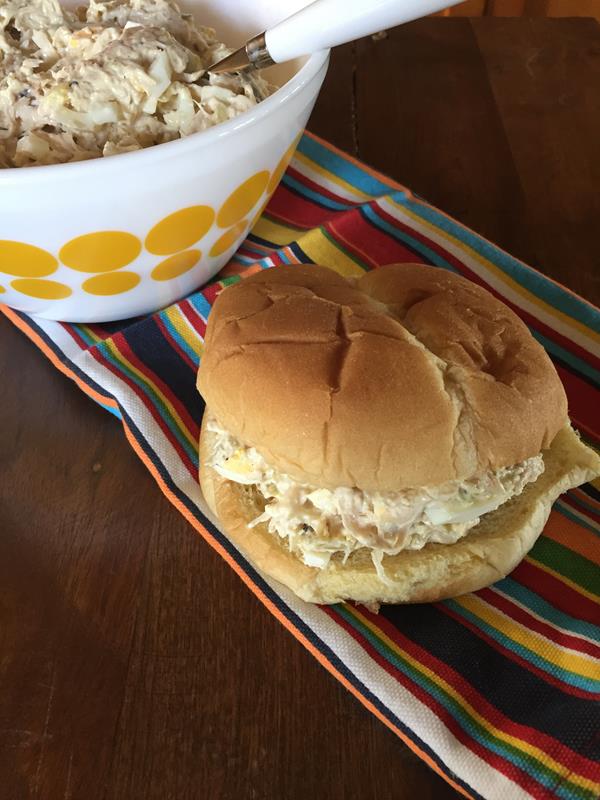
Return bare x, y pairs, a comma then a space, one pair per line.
134, 664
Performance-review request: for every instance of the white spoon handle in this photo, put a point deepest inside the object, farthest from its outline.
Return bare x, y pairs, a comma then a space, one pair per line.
326, 23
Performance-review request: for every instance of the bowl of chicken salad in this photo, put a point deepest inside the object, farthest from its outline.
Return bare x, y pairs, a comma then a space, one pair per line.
129, 173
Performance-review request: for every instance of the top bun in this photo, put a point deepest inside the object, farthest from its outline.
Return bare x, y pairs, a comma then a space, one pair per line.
409, 376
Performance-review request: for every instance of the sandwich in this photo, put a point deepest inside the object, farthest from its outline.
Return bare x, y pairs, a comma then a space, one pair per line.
395, 438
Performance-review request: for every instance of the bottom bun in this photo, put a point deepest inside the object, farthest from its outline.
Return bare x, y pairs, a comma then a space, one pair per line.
485, 555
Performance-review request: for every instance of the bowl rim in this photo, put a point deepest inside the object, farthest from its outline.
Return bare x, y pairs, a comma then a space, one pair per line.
85, 169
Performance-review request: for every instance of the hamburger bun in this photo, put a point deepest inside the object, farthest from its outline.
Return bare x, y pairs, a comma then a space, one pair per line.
409, 376
486, 554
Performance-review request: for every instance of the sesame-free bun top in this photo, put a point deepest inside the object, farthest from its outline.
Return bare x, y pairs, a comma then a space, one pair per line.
407, 376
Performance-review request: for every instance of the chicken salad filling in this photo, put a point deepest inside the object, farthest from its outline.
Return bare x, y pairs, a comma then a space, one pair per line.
113, 77
318, 523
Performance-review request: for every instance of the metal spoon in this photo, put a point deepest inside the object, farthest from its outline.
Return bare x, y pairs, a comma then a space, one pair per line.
323, 24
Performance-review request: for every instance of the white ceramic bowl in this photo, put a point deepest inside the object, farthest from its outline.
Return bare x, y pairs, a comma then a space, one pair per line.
116, 237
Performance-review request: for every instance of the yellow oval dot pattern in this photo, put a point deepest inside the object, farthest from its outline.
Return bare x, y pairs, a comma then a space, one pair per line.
111, 283
176, 265
104, 254
103, 251
41, 289
242, 200
25, 260
260, 212
180, 230
282, 166
228, 239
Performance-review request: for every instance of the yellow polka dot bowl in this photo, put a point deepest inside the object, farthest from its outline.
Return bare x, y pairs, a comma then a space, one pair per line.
126, 235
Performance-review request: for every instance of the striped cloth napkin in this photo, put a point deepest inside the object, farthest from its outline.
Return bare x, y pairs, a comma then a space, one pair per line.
497, 691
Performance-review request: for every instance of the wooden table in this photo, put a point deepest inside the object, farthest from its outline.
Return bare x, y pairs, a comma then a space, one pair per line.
134, 664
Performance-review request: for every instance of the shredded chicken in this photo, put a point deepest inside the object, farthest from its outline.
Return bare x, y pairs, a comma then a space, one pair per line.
116, 76
318, 523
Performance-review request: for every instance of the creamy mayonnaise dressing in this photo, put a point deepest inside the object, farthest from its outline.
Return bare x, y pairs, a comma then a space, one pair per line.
108, 78
317, 523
